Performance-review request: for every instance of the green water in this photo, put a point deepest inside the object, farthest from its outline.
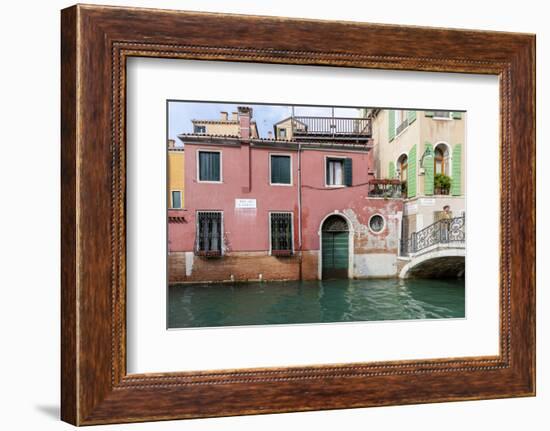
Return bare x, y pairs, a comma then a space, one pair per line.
207, 305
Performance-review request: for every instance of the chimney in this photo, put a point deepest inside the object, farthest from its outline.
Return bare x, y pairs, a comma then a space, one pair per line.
244, 115
234, 116
270, 135
171, 143
223, 116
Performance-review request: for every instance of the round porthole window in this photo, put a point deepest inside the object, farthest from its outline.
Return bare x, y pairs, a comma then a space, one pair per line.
376, 223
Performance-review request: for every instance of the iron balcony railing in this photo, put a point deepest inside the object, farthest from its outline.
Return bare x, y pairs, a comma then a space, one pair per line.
386, 188
444, 231
331, 126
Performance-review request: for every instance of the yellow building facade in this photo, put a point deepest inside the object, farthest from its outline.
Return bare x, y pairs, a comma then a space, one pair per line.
176, 176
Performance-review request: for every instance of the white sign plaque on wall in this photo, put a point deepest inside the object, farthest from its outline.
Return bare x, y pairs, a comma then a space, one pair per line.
427, 202
245, 203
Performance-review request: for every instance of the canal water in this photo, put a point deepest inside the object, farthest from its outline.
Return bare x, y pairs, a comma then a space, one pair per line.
270, 303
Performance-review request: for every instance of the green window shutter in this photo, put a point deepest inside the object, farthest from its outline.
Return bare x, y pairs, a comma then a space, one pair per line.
209, 166
391, 124
275, 174
392, 170
428, 169
456, 115
411, 173
429, 113
348, 172
411, 116
280, 169
457, 171
215, 158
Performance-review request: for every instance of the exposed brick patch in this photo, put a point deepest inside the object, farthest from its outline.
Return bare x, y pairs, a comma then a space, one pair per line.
243, 266
310, 262
176, 267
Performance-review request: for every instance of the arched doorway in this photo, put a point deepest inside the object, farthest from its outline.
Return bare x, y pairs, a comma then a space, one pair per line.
335, 247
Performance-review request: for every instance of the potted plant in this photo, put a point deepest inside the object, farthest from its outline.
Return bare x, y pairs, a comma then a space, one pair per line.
442, 184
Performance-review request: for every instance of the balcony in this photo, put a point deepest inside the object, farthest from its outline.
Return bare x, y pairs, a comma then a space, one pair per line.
384, 188
331, 129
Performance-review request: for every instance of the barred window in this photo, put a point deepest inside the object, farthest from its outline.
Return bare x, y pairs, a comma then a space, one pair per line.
209, 233
281, 233
376, 223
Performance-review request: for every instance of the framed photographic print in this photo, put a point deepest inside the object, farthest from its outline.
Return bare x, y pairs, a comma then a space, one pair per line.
260, 217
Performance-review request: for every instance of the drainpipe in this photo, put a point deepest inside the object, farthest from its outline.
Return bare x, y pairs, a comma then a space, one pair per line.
292, 125
300, 205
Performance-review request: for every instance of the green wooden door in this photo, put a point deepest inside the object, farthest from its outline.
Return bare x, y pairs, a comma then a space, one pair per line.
335, 254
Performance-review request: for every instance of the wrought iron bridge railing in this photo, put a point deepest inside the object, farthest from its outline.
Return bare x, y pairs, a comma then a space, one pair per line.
444, 231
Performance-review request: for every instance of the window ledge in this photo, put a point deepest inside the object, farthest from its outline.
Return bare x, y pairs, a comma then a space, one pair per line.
208, 253
281, 253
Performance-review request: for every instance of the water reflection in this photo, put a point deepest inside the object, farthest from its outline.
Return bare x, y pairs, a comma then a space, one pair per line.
206, 305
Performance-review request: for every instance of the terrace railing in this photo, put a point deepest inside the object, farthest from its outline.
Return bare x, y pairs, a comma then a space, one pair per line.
332, 126
445, 231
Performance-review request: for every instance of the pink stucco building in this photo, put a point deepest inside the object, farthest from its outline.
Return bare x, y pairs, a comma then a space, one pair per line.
295, 206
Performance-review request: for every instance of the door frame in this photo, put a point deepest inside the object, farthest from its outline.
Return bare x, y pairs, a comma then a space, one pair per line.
351, 236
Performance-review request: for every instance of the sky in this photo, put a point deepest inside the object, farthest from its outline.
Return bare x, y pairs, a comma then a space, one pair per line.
180, 114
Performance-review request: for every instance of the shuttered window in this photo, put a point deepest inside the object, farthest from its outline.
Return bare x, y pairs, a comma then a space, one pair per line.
339, 172
281, 233
209, 166
280, 170
209, 233
391, 124
176, 199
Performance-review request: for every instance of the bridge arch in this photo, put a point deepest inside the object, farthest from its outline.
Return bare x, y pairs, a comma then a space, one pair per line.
439, 263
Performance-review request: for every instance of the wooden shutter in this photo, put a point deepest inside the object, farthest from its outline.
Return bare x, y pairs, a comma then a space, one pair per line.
429, 113
411, 116
209, 166
284, 169
275, 170
391, 173
411, 173
280, 169
457, 171
391, 124
428, 169
456, 115
348, 174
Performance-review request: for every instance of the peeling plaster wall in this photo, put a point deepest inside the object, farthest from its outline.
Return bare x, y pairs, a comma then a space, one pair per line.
375, 265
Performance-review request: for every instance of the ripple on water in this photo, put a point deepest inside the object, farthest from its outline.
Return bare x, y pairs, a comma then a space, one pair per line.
237, 304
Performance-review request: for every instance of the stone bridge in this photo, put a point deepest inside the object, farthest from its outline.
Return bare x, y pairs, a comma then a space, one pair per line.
437, 251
